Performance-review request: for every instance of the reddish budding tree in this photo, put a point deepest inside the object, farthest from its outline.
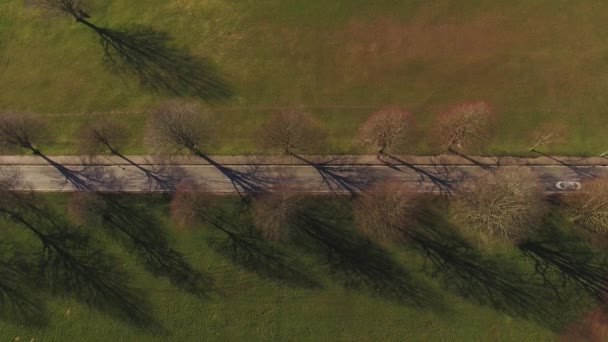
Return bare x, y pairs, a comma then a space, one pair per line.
504, 205
180, 125
275, 213
388, 131
464, 126
103, 135
289, 131
21, 131
385, 211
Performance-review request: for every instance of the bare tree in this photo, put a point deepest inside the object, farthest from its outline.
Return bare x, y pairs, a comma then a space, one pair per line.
69, 7
388, 131
85, 208
385, 211
504, 205
189, 205
464, 126
102, 135
590, 207
21, 131
549, 134
275, 213
181, 125
289, 131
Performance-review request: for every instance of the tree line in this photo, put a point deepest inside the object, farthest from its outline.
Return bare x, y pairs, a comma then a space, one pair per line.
505, 204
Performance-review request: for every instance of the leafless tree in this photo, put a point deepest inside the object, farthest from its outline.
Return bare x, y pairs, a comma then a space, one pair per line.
181, 125
289, 131
189, 205
102, 135
85, 208
549, 134
73, 8
464, 126
21, 131
385, 211
590, 207
388, 131
504, 205
275, 212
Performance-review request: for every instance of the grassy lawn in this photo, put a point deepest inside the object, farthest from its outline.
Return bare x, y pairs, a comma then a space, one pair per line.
534, 62
342, 289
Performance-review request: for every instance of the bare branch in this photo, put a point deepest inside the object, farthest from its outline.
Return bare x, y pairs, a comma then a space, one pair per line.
388, 131
189, 206
69, 7
464, 126
549, 134
289, 131
180, 125
385, 211
102, 135
21, 131
275, 212
505, 205
590, 208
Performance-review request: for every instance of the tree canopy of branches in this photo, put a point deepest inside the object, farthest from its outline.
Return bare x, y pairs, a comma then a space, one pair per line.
70, 7
388, 130
504, 205
181, 125
189, 205
464, 126
85, 208
385, 211
275, 213
21, 131
102, 136
289, 131
549, 134
590, 207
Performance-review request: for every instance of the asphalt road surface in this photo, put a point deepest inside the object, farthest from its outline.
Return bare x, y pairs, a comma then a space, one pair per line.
253, 178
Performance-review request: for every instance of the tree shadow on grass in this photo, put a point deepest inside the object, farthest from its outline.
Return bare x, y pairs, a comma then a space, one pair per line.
356, 261
244, 248
500, 283
20, 299
152, 57
74, 267
561, 258
141, 234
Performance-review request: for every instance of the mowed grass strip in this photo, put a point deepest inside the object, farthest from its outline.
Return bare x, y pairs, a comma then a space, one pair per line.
243, 304
534, 62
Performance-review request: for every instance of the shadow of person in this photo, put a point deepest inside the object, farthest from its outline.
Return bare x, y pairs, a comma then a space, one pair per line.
151, 56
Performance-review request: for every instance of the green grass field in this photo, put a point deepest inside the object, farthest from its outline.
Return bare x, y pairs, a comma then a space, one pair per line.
534, 62
342, 289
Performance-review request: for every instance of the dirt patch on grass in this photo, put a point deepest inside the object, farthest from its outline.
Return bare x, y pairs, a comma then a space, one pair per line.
592, 327
377, 45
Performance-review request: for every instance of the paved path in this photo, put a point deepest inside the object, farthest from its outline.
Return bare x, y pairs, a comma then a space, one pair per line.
313, 174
